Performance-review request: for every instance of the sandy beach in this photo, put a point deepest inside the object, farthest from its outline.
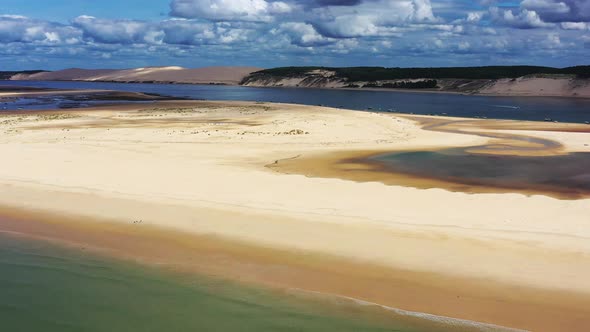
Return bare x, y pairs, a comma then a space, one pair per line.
211, 187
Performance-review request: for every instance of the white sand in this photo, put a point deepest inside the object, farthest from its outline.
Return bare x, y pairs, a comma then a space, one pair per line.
203, 171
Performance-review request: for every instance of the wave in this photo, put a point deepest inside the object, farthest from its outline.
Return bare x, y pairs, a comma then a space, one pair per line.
506, 106
443, 320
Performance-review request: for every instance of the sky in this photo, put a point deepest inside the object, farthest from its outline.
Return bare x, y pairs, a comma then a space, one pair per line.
58, 34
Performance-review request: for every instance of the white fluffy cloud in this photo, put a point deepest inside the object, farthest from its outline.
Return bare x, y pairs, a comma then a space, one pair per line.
302, 34
422, 10
373, 18
186, 32
349, 26
14, 28
560, 10
569, 14
229, 10
575, 26
117, 31
321, 29
99, 33
546, 6
524, 19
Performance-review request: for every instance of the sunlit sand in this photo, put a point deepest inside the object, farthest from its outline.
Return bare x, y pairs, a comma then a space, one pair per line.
182, 184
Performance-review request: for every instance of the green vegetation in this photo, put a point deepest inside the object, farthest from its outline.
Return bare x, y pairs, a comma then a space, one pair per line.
426, 84
579, 71
288, 71
372, 74
6, 75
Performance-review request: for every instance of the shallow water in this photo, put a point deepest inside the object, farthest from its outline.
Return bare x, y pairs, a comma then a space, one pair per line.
57, 101
518, 108
48, 288
567, 175
506, 163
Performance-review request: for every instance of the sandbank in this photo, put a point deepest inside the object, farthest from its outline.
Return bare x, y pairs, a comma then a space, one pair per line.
198, 177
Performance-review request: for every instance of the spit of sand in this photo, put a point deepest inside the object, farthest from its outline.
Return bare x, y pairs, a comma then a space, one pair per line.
186, 184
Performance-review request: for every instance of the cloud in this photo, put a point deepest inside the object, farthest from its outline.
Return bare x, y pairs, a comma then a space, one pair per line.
422, 11
560, 10
547, 6
183, 32
229, 10
543, 14
330, 32
326, 3
523, 19
173, 32
186, 32
97, 34
15, 28
348, 27
303, 34
575, 26
117, 31
369, 19
474, 17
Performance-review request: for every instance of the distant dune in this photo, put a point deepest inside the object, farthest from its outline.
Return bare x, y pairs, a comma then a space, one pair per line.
502, 80
206, 75
557, 86
540, 86
498, 80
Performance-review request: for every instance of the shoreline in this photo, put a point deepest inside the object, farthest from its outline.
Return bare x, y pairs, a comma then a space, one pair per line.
56, 273
195, 170
52, 92
309, 273
117, 95
425, 91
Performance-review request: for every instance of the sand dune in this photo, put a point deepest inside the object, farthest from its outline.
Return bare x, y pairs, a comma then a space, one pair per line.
206, 75
539, 86
549, 86
71, 74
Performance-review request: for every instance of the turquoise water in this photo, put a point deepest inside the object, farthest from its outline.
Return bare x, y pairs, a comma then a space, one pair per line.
48, 288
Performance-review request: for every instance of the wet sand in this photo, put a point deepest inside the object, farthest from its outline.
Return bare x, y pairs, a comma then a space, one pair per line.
312, 273
190, 186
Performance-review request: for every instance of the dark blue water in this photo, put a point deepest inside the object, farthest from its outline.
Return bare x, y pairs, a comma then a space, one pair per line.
49, 102
518, 108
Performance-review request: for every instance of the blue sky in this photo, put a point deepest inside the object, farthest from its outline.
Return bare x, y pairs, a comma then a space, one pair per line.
60, 34
65, 10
